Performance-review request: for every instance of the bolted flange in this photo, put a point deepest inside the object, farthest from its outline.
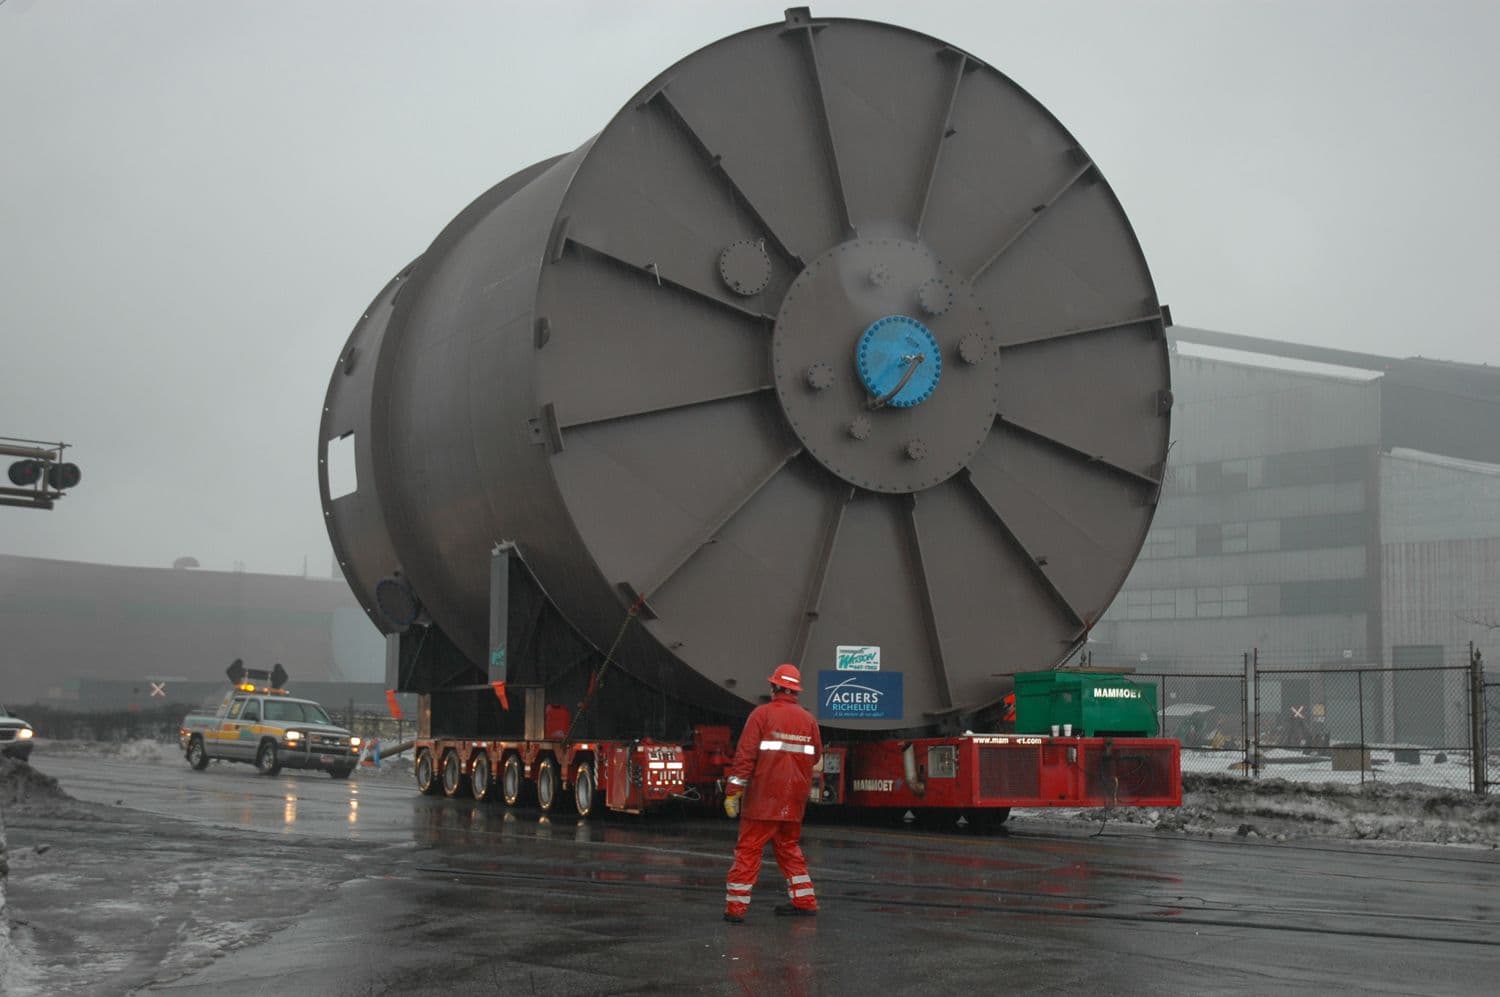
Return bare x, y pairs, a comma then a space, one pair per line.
973, 349
820, 376
935, 296
744, 267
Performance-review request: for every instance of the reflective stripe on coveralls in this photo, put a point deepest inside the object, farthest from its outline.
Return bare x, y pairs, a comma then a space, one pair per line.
800, 749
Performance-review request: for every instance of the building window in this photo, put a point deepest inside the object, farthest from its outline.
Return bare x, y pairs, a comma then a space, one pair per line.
1263, 534
1219, 476
1345, 529
1335, 597
1160, 543
1312, 467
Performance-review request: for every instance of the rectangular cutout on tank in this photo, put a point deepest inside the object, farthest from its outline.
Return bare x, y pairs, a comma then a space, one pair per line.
342, 479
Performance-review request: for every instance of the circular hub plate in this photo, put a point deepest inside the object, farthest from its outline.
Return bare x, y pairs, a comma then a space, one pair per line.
835, 314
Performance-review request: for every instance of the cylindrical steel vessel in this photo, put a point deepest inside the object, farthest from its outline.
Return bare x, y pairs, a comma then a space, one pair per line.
832, 338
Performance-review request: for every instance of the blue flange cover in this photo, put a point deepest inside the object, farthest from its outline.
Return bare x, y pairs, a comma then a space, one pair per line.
887, 349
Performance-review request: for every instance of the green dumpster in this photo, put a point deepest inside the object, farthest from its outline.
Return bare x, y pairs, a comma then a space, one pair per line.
1096, 703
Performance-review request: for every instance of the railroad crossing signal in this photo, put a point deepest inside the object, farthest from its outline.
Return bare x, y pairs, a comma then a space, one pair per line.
158, 690
40, 476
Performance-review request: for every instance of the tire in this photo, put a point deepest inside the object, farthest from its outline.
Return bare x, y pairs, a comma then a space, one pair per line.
454, 783
548, 786
585, 797
197, 754
481, 781
340, 773
986, 819
513, 785
267, 758
427, 783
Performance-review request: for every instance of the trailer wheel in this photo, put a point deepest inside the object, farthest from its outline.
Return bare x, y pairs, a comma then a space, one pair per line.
197, 754
512, 780
427, 783
454, 783
548, 785
987, 818
481, 784
584, 797
267, 761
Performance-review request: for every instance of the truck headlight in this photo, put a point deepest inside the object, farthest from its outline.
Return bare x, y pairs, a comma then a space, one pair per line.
25, 734
355, 742
293, 735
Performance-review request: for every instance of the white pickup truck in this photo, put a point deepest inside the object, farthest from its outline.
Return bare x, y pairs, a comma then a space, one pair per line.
271, 730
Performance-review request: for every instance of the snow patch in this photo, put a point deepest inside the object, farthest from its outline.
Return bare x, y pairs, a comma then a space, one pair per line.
23, 786
1227, 806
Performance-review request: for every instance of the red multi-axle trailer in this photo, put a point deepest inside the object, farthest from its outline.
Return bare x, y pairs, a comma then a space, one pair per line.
978, 776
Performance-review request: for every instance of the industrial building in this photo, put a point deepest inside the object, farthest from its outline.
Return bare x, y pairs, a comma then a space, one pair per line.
1332, 517
110, 636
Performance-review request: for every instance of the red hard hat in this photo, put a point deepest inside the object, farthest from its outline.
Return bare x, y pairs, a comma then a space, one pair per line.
787, 677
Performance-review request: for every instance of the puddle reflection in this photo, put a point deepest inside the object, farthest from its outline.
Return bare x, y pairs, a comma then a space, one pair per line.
787, 965
460, 824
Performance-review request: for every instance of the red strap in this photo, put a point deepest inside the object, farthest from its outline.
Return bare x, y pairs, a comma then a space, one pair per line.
499, 688
390, 700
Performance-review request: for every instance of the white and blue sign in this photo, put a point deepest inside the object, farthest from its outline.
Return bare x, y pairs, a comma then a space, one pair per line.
846, 695
857, 658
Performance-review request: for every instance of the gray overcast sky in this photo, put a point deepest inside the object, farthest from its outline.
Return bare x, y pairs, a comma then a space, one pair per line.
197, 200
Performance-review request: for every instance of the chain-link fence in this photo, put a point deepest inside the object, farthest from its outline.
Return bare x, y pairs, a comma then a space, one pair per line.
388, 730
1434, 724
1208, 713
1361, 724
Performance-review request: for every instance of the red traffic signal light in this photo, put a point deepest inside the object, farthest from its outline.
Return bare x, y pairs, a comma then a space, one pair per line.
25, 473
61, 476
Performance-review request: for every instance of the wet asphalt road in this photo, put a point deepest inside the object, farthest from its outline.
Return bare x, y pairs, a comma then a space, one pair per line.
430, 896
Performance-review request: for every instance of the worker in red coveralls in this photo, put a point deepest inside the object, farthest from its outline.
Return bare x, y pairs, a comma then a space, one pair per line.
772, 771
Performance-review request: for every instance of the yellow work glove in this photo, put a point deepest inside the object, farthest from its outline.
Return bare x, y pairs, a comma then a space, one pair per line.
732, 803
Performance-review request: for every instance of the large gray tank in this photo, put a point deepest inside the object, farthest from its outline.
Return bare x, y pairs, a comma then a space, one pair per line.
833, 337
